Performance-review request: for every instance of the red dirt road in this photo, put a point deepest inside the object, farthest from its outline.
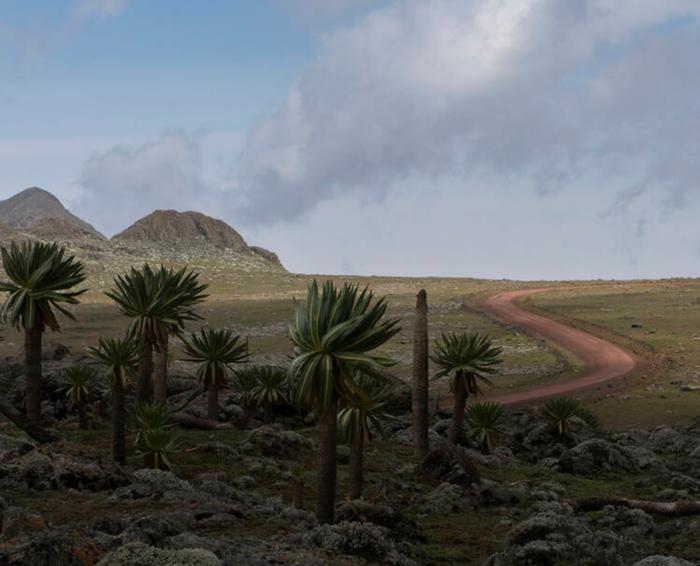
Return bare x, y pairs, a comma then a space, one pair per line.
603, 361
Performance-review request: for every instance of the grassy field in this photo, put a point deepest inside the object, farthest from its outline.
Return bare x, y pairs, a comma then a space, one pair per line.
660, 321
261, 307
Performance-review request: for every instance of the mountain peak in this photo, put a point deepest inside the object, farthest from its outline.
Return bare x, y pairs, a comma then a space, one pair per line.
36, 207
171, 225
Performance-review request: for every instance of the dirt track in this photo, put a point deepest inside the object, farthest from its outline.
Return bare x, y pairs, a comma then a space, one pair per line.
603, 361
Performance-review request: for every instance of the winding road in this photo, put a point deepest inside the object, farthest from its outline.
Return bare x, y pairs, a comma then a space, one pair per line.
603, 361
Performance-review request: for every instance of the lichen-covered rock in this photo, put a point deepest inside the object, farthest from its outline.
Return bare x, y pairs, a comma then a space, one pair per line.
16, 521
445, 498
658, 560
367, 540
596, 455
138, 554
629, 521
276, 443
11, 447
161, 480
379, 514
150, 483
61, 465
449, 463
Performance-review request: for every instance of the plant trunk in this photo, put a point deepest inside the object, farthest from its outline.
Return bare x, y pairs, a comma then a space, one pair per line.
213, 401
327, 446
460, 401
144, 387
356, 457
33, 430
82, 415
160, 374
32, 356
118, 422
419, 402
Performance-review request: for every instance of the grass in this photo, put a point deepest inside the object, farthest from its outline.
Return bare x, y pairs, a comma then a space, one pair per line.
669, 315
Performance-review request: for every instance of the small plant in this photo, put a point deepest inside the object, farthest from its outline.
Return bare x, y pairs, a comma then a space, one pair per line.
560, 411
158, 445
77, 382
155, 435
486, 422
266, 387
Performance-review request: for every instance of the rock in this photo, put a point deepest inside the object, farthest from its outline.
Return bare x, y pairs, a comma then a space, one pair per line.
367, 540
658, 560
61, 465
161, 480
52, 547
219, 449
449, 463
405, 436
11, 447
245, 482
444, 499
139, 554
275, 443
155, 484
667, 439
16, 521
379, 514
596, 455
54, 352
494, 494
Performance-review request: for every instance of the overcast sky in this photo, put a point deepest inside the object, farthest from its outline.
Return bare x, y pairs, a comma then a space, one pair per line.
533, 139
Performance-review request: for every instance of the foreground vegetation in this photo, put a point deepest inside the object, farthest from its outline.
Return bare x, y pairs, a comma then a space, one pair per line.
546, 485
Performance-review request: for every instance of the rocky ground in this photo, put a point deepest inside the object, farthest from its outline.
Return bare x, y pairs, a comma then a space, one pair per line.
230, 498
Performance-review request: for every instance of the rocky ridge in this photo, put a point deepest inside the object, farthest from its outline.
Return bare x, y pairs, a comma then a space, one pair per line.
164, 236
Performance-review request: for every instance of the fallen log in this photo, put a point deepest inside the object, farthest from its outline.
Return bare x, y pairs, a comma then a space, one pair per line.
34, 431
668, 508
190, 421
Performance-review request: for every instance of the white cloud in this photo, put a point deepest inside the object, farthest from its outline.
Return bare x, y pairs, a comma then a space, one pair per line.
126, 182
539, 93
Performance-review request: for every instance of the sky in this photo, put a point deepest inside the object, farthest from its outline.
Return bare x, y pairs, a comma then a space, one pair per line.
521, 139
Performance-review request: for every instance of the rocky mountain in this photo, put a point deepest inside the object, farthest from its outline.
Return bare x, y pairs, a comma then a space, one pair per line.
173, 226
37, 209
164, 236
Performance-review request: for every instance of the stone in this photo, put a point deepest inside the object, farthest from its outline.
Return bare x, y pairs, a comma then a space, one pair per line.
139, 554
62, 465
658, 560
275, 443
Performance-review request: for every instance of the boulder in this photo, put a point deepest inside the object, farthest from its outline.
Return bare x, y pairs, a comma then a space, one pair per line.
596, 455
658, 560
366, 540
449, 463
11, 447
139, 554
61, 465
276, 443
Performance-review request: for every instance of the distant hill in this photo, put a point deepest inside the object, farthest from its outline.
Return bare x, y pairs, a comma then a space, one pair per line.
172, 226
164, 236
37, 209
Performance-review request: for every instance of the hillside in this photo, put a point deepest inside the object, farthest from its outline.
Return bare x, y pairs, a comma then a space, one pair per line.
35, 208
164, 236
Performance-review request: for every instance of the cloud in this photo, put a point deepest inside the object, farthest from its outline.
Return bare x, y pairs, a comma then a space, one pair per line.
126, 182
539, 93
97, 9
